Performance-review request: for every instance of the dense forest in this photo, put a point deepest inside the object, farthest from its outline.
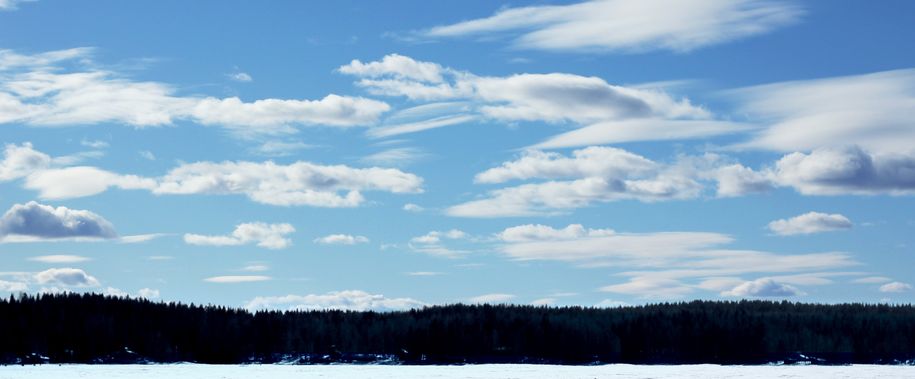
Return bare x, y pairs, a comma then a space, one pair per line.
93, 328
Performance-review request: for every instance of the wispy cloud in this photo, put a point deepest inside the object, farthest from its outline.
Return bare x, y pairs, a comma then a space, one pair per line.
270, 236
627, 26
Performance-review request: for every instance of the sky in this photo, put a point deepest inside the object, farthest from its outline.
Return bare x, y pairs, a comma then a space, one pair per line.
381, 156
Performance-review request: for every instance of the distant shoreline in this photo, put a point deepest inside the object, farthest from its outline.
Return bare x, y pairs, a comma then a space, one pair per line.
98, 329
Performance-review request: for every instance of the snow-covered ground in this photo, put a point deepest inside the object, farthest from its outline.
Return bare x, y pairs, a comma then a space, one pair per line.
195, 371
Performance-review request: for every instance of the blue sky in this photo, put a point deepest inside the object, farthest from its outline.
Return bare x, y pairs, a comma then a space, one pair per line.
368, 155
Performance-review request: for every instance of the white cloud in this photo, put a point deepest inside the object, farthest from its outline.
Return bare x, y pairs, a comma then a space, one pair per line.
432, 243
869, 110
627, 26
425, 273
256, 268
270, 236
9, 59
274, 115
551, 97
575, 243
410, 207
764, 287
809, 223
418, 126
81, 181
240, 77
140, 238
530, 232
737, 180
34, 222
34, 91
148, 293
351, 300
7, 5
398, 66
643, 129
143, 293
650, 287
341, 239
300, 183
566, 97
237, 279
846, 170
67, 277
116, 292
280, 148
609, 303
60, 258
436, 236
666, 264
834, 171
491, 298
146, 154
601, 174
587, 162
399, 156
546, 301
7, 286
160, 257
21, 160
896, 287
872, 280
94, 144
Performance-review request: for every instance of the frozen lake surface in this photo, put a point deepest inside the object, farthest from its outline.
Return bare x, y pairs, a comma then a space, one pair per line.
188, 371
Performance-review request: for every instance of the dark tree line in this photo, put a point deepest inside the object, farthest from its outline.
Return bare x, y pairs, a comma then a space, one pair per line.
97, 328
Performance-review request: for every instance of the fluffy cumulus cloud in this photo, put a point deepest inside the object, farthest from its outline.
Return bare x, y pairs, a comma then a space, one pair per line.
270, 236
593, 175
67, 277
341, 239
764, 287
58, 88
398, 66
34, 222
666, 264
895, 287
351, 300
531, 232
849, 170
809, 223
619, 113
627, 26
299, 183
